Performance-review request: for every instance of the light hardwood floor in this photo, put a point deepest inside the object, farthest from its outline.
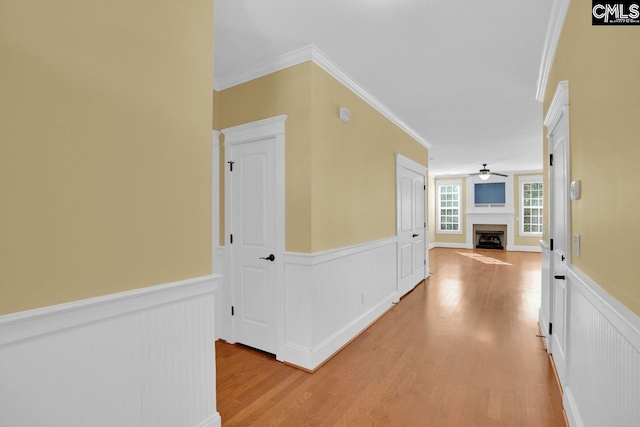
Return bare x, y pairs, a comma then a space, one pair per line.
460, 350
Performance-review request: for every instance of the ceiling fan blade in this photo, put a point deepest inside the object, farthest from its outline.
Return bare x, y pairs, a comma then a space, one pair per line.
499, 174
477, 173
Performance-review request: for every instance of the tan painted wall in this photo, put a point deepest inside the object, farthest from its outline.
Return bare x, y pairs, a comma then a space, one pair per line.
340, 177
431, 208
517, 239
454, 238
602, 65
285, 92
105, 130
353, 167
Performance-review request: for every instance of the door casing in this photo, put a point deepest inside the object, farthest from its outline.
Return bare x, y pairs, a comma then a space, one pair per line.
243, 134
559, 114
404, 162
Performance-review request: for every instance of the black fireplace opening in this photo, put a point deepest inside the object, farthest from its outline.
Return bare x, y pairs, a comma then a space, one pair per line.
490, 239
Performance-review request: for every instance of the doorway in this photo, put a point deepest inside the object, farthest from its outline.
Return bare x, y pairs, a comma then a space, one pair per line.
557, 122
413, 242
255, 232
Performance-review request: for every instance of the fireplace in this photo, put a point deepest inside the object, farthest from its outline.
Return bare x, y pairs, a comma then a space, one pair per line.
490, 239
490, 236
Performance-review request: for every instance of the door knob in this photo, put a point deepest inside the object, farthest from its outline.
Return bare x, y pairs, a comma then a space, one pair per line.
270, 257
415, 235
559, 277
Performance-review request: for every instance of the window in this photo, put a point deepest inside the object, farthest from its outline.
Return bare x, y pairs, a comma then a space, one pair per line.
531, 205
449, 199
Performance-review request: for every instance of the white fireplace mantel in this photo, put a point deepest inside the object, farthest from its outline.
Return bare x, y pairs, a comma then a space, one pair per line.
490, 215
474, 218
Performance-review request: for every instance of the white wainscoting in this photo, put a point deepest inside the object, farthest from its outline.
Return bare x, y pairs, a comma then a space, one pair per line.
545, 286
223, 299
139, 358
331, 296
603, 357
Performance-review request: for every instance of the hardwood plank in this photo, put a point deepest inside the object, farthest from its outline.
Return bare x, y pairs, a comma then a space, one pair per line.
460, 350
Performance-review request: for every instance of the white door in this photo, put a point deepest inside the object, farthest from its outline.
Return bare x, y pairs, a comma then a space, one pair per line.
559, 232
253, 228
411, 229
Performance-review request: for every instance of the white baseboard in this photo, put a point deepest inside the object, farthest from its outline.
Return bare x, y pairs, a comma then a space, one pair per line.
310, 359
570, 408
450, 245
143, 357
331, 296
515, 248
213, 421
432, 245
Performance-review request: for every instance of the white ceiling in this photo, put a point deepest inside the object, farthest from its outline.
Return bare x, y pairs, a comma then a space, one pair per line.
461, 73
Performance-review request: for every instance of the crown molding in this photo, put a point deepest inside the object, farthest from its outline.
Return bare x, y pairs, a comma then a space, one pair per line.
558, 104
312, 53
559, 10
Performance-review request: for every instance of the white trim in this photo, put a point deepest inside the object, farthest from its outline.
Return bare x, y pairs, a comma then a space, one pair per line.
559, 10
53, 319
213, 421
312, 53
253, 131
522, 248
557, 107
569, 403
278, 63
407, 163
452, 245
623, 319
312, 358
215, 199
273, 127
316, 258
527, 179
433, 245
448, 182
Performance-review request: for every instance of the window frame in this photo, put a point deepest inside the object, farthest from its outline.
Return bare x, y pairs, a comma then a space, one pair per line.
522, 181
449, 183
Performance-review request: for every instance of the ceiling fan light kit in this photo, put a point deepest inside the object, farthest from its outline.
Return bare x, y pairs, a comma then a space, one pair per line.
485, 173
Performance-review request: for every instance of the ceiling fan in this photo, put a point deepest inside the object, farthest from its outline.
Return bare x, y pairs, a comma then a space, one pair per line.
485, 173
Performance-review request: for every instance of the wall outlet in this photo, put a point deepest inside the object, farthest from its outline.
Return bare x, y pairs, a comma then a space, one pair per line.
576, 244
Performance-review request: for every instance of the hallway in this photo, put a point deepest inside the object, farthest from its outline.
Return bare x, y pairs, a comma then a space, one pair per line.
460, 350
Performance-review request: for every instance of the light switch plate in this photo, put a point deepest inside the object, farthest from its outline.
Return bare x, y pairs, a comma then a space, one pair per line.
575, 190
576, 244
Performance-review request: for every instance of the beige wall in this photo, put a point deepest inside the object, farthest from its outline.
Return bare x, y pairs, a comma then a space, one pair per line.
517, 239
353, 167
285, 92
340, 177
453, 238
431, 208
602, 65
104, 147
